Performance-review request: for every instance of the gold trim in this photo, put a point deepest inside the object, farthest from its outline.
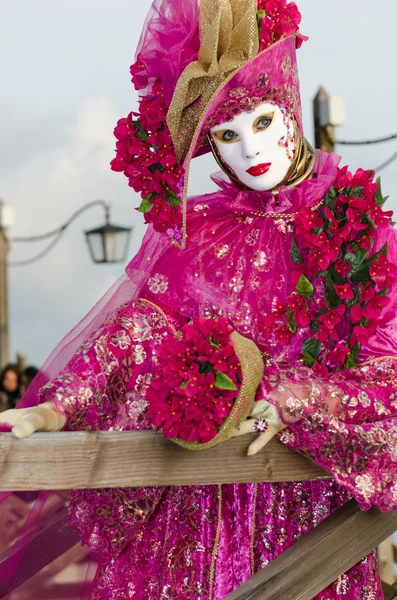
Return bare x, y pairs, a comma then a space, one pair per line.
159, 311
253, 529
374, 360
216, 543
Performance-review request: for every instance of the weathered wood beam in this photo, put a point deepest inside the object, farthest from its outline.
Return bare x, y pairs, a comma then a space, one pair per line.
389, 591
36, 551
134, 459
321, 556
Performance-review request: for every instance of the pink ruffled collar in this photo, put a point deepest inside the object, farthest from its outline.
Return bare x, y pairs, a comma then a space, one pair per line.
289, 199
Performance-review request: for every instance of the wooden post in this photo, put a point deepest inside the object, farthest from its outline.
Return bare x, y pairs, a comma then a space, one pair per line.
4, 328
324, 135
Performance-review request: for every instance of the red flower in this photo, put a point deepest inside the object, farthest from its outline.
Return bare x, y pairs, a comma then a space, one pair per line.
344, 291
360, 335
295, 303
342, 268
139, 74
375, 307
279, 19
382, 270
356, 314
367, 293
303, 318
366, 242
320, 369
338, 355
146, 154
284, 335
344, 179
185, 399
307, 220
352, 226
333, 317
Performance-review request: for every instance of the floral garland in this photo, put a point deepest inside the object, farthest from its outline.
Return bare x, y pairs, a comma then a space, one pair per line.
145, 154
278, 19
199, 381
341, 283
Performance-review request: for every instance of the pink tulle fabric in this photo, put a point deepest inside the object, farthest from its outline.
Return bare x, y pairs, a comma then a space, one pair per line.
203, 542
169, 42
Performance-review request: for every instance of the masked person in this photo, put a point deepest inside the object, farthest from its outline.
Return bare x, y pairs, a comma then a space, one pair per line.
280, 284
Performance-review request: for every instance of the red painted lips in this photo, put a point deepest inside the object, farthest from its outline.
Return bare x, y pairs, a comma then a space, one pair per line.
259, 170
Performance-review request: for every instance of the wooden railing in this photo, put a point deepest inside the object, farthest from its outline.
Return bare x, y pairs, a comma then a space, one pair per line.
97, 460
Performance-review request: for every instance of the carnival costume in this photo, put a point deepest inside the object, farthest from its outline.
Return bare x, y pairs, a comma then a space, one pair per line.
305, 271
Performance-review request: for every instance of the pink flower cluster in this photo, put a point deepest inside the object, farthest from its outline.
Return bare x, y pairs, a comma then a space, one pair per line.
145, 154
198, 379
278, 19
341, 282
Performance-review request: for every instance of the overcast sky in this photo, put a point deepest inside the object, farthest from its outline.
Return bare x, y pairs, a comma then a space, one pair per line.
65, 81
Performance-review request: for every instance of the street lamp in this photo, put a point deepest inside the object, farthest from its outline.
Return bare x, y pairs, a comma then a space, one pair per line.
108, 243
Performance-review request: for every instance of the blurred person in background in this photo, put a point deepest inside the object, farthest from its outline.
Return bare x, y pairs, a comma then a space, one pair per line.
10, 387
28, 375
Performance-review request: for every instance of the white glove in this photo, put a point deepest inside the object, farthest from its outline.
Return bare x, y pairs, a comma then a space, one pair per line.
26, 421
265, 421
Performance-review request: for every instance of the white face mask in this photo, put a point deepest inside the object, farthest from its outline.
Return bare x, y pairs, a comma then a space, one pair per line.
258, 146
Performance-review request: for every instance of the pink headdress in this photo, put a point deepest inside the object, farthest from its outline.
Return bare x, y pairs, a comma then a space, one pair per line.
198, 65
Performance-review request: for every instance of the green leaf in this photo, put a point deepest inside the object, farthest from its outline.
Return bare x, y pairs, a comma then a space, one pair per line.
146, 204
312, 346
304, 288
173, 199
336, 278
331, 297
213, 344
157, 167
361, 253
382, 251
352, 358
383, 292
141, 133
379, 199
315, 326
362, 274
205, 367
309, 359
356, 300
293, 326
330, 199
184, 385
357, 191
261, 14
352, 261
223, 382
296, 256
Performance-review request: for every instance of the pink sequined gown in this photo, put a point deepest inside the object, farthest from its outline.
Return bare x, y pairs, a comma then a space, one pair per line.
200, 543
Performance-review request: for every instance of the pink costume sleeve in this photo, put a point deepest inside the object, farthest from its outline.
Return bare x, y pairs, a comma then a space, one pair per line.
103, 387
346, 423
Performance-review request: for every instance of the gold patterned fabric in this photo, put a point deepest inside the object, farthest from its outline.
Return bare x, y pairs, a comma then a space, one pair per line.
229, 39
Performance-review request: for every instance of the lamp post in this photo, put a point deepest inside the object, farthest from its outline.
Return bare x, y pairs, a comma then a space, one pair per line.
6, 220
107, 244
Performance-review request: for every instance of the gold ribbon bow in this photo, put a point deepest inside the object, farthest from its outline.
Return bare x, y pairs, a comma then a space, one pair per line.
229, 39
